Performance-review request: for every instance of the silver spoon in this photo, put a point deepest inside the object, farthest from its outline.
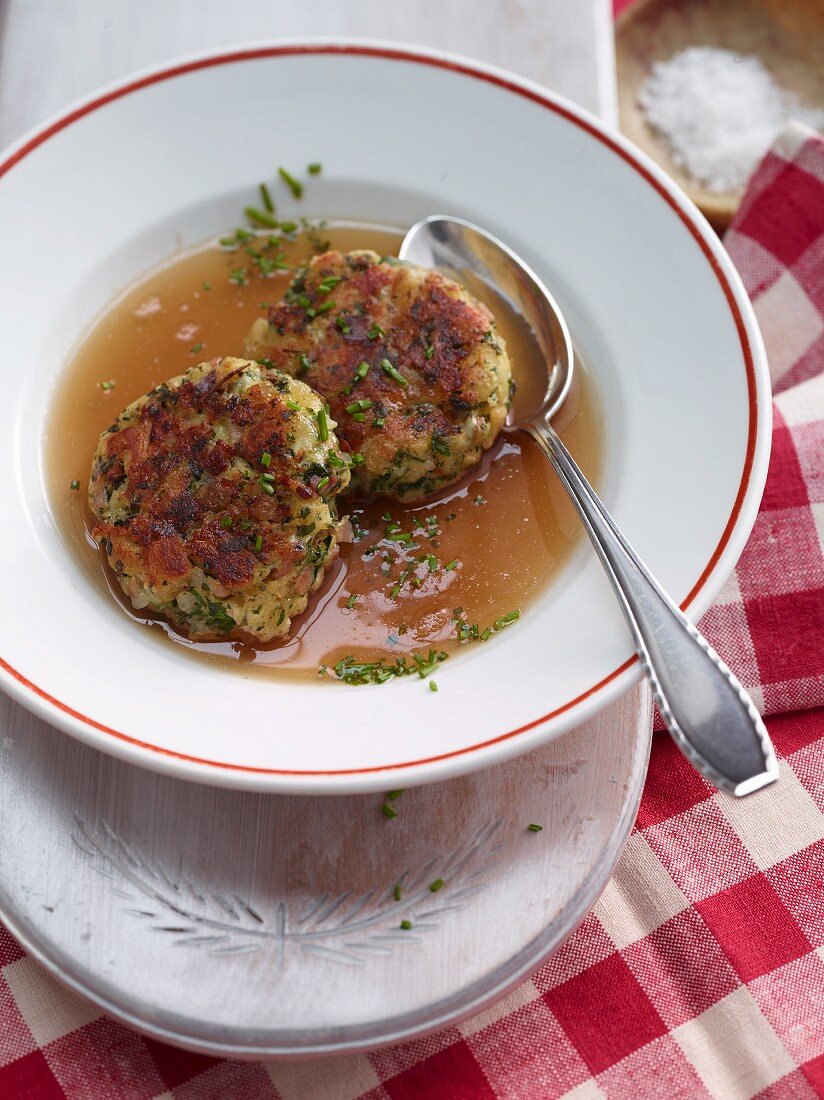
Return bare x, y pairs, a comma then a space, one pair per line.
707, 711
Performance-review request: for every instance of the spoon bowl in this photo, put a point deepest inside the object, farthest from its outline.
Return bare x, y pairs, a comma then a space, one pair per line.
707, 711
470, 256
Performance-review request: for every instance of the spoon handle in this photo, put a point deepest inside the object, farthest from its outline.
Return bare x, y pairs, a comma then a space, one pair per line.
707, 711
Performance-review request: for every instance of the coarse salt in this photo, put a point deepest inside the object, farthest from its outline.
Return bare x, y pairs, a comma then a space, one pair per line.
720, 112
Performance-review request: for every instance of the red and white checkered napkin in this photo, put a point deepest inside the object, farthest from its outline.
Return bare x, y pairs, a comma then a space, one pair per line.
700, 971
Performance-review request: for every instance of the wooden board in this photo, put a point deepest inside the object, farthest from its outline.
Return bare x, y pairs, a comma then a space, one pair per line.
787, 35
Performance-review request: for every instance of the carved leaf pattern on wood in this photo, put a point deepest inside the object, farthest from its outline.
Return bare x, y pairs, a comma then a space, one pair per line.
344, 928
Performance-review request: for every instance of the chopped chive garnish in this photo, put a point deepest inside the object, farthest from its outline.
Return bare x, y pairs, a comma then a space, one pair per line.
75, 485
328, 284
314, 169
266, 487
341, 324
392, 796
225, 522
432, 562
451, 565
258, 543
358, 406
357, 458
207, 286
393, 372
333, 459
397, 893
268, 477
106, 386
323, 425
433, 686
239, 276
266, 199
362, 371
359, 416
388, 810
351, 601
238, 237
265, 459
260, 217
378, 672
304, 302
436, 885
470, 631
324, 481
375, 332
293, 405
295, 186
303, 360
195, 348
535, 828
324, 308
430, 351
406, 925
379, 421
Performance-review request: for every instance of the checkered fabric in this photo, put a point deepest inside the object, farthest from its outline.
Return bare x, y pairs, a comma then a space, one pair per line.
700, 972
768, 622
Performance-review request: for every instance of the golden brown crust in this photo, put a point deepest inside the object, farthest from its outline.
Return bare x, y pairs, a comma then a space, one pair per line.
437, 382
206, 483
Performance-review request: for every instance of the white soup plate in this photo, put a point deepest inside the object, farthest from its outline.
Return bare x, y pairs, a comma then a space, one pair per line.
117, 184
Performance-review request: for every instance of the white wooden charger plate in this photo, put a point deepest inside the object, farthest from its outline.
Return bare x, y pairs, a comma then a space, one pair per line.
170, 157
265, 926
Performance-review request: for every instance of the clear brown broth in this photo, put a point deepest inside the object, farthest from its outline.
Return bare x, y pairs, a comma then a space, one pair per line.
508, 525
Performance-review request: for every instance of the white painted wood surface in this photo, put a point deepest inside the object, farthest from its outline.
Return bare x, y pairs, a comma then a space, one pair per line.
64, 896
54, 51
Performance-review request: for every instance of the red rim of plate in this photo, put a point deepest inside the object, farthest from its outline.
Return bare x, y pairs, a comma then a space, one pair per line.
527, 92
